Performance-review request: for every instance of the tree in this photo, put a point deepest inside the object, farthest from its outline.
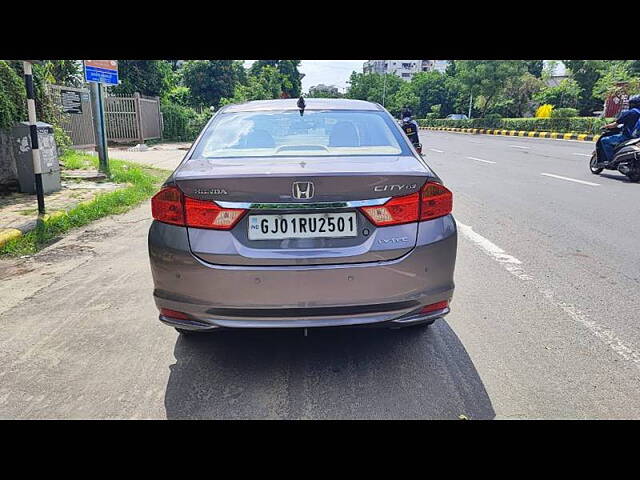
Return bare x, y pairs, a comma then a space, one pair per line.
433, 88
564, 95
518, 94
291, 80
264, 84
404, 97
324, 94
373, 87
486, 79
586, 73
64, 72
148, 77
616, 72
210, 80
535, 67
12, 96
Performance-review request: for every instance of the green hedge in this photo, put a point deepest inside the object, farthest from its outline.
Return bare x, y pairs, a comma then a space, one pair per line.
182, 123
588, 125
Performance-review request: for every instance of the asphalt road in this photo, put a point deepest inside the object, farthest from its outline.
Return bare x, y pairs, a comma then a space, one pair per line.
543, 322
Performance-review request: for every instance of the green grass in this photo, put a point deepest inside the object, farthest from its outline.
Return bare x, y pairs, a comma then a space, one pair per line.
141, 183
78, 161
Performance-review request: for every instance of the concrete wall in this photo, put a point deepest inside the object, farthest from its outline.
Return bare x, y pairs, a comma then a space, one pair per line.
8, 172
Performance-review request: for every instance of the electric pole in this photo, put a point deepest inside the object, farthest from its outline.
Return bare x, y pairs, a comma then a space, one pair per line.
33, 130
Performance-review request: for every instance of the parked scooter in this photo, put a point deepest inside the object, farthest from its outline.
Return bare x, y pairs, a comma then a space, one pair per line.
626, 157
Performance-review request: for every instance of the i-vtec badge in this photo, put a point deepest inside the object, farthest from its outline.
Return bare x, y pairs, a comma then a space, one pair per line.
210, 191
385, 241
394, 188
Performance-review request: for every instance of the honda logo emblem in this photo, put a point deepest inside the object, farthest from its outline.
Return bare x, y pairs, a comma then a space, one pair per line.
302, 190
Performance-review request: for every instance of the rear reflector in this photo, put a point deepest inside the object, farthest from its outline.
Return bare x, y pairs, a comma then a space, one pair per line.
435, 307
433, 201
166, 312
170, 205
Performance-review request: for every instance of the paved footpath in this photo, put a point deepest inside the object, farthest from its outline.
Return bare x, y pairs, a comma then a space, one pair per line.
544, 321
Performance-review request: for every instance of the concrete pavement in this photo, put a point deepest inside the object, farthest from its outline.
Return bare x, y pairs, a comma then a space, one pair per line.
543, 321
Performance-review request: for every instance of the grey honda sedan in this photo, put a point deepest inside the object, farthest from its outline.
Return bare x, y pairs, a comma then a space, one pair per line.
298, 214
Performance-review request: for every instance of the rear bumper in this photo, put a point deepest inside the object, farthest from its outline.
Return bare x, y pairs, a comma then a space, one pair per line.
381, 293
211, 323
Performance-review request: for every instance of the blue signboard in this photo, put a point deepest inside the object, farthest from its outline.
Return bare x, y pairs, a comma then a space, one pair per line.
101, 71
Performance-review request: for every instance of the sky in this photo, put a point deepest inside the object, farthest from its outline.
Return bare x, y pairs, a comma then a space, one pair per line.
328, 72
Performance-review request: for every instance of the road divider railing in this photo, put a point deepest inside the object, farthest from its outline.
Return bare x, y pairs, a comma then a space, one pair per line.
520, 133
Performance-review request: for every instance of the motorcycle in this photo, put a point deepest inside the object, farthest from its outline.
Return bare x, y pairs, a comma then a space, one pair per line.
626, 157
409, 130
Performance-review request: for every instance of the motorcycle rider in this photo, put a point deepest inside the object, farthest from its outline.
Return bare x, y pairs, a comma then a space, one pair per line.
410, 126
629, 118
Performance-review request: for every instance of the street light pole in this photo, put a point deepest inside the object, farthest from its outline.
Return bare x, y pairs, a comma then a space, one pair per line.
384, 86
470, 102
99, 127
33, 130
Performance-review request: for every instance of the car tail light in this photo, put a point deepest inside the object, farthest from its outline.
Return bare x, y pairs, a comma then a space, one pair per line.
396, 211
435, 307
207, 214
166, 312
433, 201
167, 206
170, 205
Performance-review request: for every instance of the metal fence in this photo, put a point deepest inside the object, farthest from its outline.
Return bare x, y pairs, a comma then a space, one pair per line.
78, 126
151, 117
136, 118
127, 119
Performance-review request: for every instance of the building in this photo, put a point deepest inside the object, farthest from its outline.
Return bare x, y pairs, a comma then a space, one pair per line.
404, 69
557, 71
321, 88
440, 65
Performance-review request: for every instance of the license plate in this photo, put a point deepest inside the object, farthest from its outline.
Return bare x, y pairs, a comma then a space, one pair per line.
302, 225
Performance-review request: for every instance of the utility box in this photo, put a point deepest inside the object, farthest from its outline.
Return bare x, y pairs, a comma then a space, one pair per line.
48, 158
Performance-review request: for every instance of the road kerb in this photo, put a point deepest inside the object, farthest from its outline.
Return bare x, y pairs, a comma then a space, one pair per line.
520, 133
8, 234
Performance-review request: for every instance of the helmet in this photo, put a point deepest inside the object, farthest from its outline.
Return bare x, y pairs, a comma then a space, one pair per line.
406, 112
634, 101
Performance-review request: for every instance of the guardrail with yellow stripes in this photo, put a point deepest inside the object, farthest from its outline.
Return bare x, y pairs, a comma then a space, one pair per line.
520, 133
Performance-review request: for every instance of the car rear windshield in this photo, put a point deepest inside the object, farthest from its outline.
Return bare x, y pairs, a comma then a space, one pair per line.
287, 133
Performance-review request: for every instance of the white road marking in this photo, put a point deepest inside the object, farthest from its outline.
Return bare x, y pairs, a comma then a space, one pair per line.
436, 150
519, 146
481, 160
582, 154
570, 179
514, 266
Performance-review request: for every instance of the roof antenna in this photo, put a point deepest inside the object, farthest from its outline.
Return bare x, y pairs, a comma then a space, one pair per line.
301, 105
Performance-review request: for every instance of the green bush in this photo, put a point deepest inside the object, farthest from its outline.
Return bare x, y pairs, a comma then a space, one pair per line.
588, 125
63, 140
564, 113
12, 97
182, 123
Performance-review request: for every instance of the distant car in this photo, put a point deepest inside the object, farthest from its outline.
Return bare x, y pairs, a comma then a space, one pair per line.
280, 220
457, 116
